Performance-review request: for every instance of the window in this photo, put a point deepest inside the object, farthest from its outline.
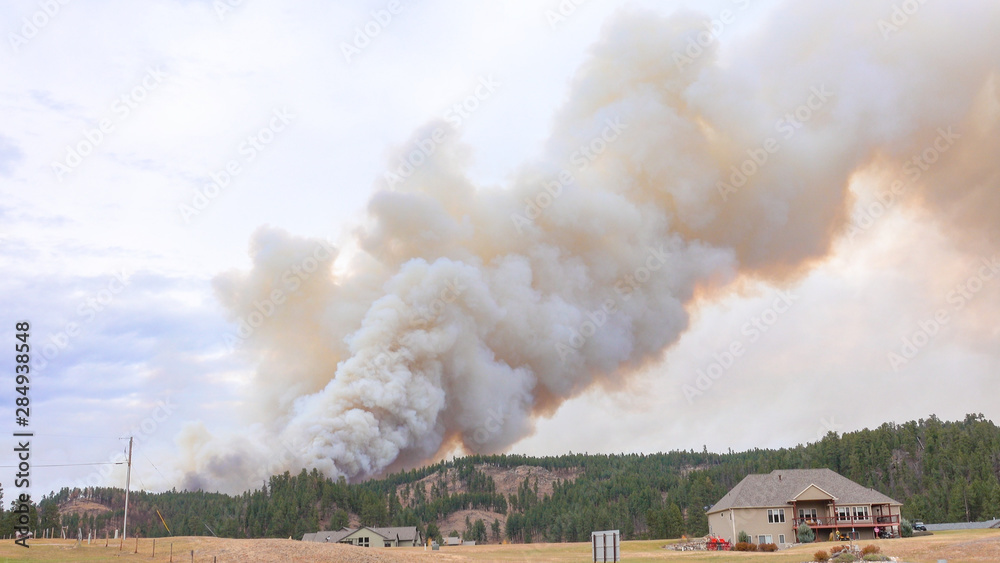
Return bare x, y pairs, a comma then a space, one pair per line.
843, 513
764, 539
776, 515
363, 542
387, 544
860, 512
807, 514
781, 538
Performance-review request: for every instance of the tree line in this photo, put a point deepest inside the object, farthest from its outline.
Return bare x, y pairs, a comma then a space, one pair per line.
941, 471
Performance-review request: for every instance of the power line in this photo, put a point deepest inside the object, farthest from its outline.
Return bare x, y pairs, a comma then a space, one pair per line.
158, 470
70, 464
61, 435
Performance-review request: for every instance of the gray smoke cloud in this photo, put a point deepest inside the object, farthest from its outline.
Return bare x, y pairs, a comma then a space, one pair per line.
456, 314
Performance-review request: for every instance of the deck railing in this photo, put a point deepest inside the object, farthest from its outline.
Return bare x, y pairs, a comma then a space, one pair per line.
833, 521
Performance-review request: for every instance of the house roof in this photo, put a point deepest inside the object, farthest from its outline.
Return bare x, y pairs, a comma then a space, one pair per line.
331, 536
779, 487
378, 531
403, 533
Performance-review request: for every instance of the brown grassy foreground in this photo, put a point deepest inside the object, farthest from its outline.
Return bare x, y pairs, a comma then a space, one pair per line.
968, 546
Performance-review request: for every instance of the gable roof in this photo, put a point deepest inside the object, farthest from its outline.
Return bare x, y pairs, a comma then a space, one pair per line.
403, 533
812, 494
378, 532
330, 536
779, 487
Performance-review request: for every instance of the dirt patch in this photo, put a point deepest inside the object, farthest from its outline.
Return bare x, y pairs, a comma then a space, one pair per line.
456, 521
82, 507
508, 480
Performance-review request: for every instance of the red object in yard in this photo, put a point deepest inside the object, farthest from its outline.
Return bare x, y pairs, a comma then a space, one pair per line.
718, 544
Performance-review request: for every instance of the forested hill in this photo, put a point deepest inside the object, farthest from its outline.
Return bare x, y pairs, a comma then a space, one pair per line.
941, 471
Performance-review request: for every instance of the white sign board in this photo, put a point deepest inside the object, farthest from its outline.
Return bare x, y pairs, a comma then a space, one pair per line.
607, 546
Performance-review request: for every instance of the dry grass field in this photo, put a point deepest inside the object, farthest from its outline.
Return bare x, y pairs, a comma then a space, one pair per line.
969, 546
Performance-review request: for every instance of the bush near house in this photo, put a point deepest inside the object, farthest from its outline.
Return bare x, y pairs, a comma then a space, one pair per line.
744, 546
806, 534
767, 547
905, 528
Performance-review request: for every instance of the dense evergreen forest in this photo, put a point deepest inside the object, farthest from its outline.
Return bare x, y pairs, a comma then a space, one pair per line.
941, 471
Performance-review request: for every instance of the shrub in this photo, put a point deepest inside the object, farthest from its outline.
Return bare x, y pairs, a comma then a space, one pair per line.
767, 547
743, 537
870, 548
875, 557
838, 548
821, 556
744, 546
845, 557
905, 528
806, 534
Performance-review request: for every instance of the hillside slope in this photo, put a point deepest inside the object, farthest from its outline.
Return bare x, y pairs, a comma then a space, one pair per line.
941, 471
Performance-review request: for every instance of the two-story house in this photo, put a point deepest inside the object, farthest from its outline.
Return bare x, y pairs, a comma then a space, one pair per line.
770, 508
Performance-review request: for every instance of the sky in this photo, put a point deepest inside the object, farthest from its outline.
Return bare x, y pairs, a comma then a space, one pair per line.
165, 164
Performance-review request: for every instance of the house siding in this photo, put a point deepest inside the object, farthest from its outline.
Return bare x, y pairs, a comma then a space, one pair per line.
753, 521
373, 539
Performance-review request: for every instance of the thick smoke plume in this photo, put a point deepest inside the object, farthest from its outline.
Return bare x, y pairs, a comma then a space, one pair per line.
681, 162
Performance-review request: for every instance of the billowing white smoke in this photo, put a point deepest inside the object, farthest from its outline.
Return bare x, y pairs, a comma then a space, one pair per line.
674, 168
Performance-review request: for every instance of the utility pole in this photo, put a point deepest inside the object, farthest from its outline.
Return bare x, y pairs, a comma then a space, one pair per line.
128, 479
